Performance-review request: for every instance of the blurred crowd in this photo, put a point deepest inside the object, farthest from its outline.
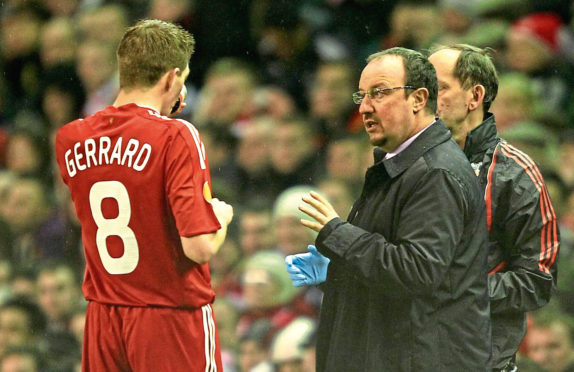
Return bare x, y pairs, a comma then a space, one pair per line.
270, 92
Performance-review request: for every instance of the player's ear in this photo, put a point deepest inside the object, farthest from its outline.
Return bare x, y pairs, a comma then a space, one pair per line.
171, 76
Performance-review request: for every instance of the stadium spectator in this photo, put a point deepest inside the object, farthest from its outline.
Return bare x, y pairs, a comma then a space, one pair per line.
533, 47
255, 229
287, 348
413, 25
515, 101
274, 102
36, 231
220, 147
549, 340
23, 284
180, 12
226, 98
295, 159
345, 161
98, 73
253, 162
329, 105
61, 8
535, 139
268, 294
22, 323
285, 48
28, 152
290, 236
23, 359
253, 349
105, 23
58, 294
21, 66
58, 40
62, 97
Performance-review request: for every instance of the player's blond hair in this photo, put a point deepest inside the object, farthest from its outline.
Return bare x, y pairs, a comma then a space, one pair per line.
149, 49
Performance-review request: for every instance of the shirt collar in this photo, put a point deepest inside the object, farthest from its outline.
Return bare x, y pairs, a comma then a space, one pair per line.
432, 136
406, 144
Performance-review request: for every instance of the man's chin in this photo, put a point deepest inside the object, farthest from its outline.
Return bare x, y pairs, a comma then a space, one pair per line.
377, 141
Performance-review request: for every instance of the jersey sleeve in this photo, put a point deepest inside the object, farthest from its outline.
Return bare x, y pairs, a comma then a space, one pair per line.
61, 144
188, 184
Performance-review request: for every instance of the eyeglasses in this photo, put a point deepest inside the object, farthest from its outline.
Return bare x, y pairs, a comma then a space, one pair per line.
376, 93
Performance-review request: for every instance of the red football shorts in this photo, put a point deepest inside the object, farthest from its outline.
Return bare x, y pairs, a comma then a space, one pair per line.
122, 338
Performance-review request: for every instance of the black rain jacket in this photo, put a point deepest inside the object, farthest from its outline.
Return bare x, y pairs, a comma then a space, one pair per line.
523, 235
406, 288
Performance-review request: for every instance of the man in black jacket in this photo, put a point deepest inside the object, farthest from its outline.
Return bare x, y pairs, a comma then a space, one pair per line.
523, 233
406, 286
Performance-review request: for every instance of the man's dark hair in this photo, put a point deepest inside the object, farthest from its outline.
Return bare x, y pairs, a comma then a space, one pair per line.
475, 67
261, 332
419, 72
36, 354
550, 316
36, 319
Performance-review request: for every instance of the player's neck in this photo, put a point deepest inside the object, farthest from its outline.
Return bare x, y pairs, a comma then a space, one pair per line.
140, 97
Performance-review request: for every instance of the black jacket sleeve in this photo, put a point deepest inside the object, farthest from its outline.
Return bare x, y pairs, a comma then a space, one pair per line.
524, 229
427, 231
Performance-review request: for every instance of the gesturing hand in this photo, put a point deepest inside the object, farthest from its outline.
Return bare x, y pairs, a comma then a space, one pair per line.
307, 268
319, 209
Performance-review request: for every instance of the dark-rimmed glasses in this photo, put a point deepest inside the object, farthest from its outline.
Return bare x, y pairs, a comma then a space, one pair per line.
376, 93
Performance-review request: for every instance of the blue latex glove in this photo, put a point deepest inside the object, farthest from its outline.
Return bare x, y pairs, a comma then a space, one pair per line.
307, 268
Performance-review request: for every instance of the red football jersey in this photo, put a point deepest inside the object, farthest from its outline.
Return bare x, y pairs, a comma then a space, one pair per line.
139, 181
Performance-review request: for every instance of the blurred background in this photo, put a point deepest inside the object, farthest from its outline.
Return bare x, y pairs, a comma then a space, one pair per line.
270, 92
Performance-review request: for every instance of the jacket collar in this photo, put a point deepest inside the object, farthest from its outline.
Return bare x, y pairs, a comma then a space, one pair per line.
434, 135
481, 138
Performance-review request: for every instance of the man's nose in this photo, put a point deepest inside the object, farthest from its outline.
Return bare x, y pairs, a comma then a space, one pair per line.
366, 105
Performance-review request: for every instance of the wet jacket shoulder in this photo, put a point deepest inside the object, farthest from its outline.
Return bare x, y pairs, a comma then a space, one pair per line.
406, 288
523, 234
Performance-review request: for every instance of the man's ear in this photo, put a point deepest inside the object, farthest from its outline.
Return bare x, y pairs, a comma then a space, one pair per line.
420, 96
171, 75
477, 97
